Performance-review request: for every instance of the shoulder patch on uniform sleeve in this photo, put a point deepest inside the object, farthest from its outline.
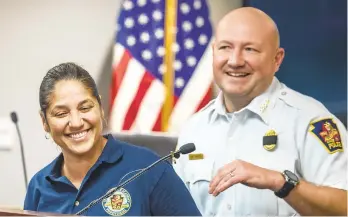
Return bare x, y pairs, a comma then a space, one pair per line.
326, 131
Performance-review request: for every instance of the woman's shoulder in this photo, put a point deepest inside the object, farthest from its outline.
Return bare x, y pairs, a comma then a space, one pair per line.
40, 176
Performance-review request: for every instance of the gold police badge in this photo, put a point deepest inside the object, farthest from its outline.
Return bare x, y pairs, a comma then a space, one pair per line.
118, 203
270, 140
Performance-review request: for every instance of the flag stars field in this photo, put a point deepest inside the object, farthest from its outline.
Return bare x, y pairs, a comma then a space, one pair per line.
185, 8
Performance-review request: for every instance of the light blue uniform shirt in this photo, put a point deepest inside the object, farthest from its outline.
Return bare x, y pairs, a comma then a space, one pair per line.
303, 146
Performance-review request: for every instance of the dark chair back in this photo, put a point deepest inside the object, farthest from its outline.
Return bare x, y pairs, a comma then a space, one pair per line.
160, 144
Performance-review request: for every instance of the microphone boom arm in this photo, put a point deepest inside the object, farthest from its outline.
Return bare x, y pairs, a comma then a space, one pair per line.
172, 154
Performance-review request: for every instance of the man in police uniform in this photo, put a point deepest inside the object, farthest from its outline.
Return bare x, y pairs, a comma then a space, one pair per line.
261, 147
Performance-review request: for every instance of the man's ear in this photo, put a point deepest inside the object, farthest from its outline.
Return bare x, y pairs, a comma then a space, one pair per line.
213, 43
44, 122
279, 58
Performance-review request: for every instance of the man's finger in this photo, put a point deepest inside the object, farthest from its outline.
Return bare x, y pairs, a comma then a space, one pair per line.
222, 179
219, 176
227, 184
216, 180
225, 179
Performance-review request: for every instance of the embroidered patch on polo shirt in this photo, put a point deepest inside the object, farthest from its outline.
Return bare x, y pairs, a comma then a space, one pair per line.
118, 203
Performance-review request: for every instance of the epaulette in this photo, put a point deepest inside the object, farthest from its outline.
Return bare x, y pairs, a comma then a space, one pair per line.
300, 101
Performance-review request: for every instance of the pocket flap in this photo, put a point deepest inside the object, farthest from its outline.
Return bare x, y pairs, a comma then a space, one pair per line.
199, 170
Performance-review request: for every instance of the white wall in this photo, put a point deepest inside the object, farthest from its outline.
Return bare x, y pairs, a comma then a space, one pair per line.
34, 36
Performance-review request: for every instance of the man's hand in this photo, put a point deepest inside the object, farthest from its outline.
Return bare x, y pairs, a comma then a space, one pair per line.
239, 171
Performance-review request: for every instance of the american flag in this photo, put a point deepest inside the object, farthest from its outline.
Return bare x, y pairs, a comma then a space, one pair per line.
139, 93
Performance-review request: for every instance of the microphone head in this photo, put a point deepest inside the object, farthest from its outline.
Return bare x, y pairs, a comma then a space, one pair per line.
187, 148
14, 117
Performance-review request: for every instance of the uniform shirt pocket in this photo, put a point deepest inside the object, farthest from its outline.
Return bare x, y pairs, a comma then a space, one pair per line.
199, 175
199, 171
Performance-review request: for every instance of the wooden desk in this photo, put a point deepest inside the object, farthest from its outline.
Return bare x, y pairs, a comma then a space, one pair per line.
19, 212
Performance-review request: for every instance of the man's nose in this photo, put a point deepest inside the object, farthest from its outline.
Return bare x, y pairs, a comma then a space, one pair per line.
236, 59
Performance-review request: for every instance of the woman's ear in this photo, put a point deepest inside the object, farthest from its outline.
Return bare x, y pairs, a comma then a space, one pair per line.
101, 108
44, 122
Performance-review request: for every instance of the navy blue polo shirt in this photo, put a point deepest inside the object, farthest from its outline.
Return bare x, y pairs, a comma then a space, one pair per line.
159, 191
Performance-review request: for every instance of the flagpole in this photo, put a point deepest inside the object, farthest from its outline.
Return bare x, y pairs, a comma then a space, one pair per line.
169, 73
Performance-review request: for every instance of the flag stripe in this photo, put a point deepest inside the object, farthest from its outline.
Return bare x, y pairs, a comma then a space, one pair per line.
191, 98
117, 76
126, 93
206, 98
118, 53
152, 104
134, 107
157, 127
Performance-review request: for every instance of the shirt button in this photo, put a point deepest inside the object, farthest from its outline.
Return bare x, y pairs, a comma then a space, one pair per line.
77, 203
212, 214
229, 206
283, 93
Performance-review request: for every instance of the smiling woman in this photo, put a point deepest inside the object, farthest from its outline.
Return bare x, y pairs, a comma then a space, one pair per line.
71, 112
91, 163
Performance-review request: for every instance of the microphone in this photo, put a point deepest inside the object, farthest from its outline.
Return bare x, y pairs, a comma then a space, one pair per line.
14, 119
185, 149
